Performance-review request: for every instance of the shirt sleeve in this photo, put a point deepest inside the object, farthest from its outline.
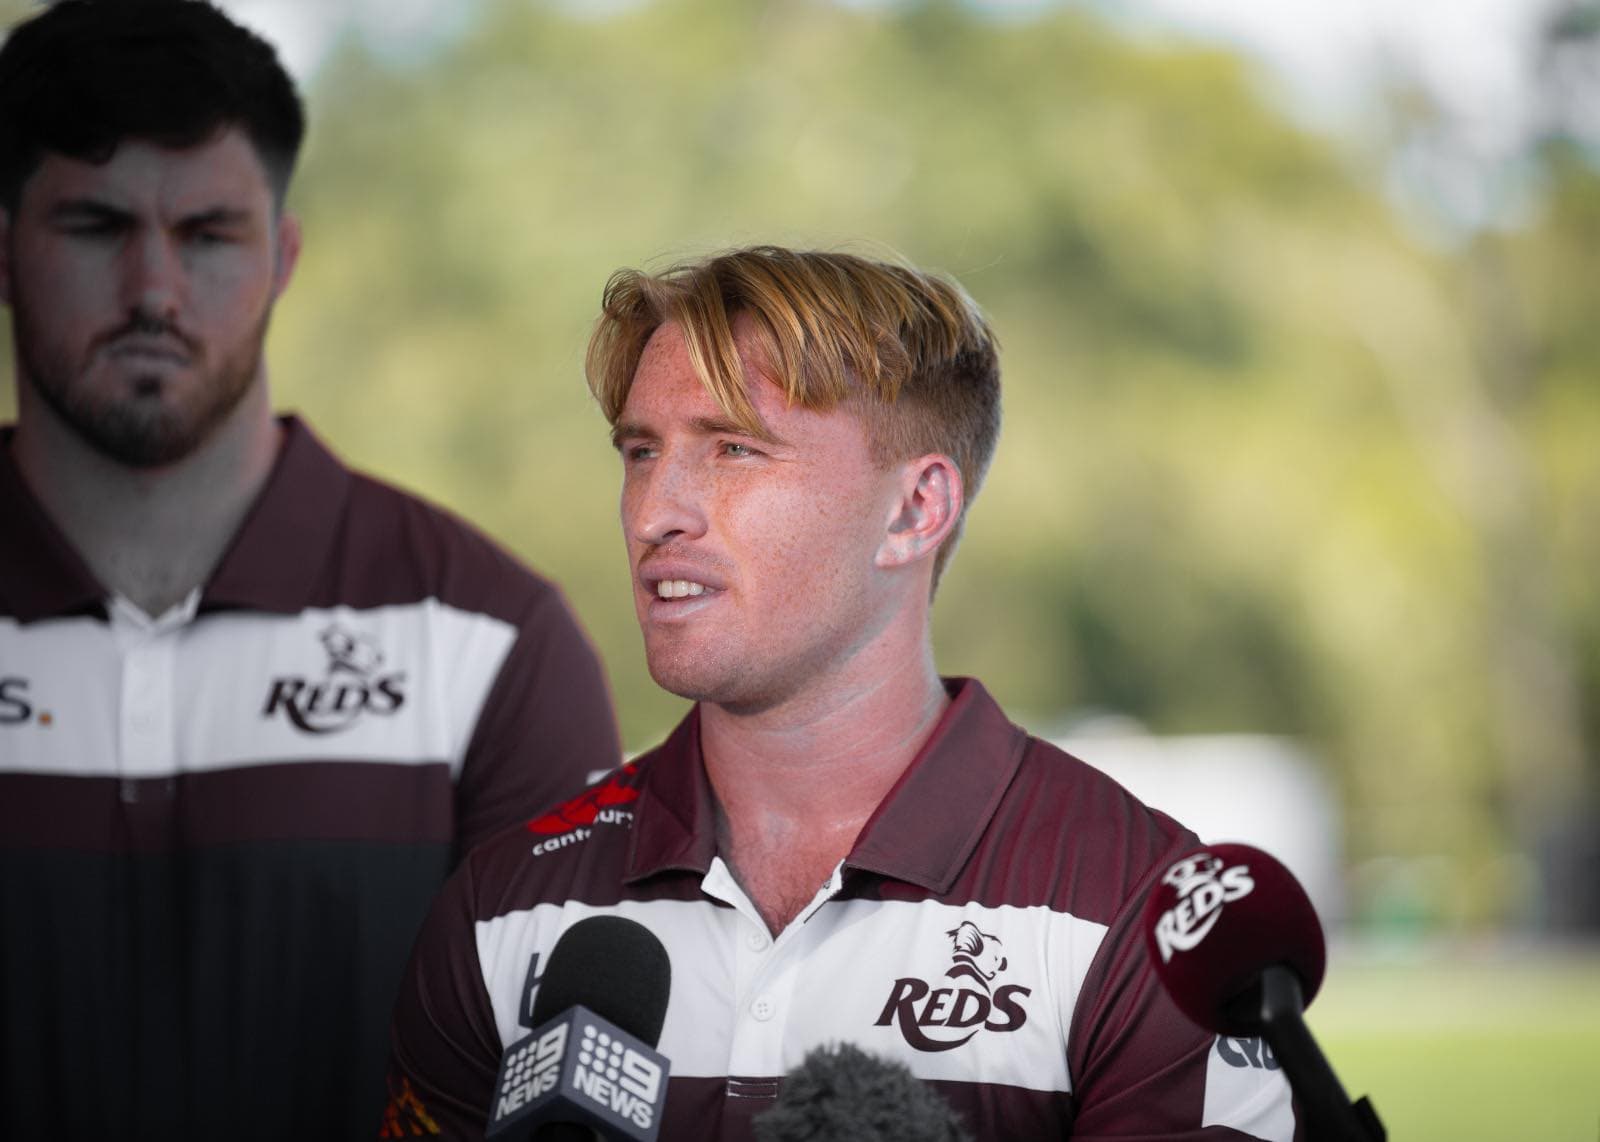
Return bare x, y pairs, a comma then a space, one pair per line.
545, 728
444, 1050
1142, 1070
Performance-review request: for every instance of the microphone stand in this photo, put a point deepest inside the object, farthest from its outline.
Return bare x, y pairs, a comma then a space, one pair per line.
1280, 1019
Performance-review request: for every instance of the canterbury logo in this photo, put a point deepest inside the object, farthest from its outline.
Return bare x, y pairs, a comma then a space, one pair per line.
571, 822
943, 1018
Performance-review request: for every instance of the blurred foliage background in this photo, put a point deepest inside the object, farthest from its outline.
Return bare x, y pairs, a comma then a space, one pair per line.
1278, 455
1291, 446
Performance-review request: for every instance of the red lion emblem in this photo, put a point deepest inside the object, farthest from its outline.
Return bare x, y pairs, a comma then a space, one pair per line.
586, 806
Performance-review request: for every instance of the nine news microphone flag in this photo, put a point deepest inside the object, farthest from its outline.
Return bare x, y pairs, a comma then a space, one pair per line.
589, 1067
580, 1069
1236, 943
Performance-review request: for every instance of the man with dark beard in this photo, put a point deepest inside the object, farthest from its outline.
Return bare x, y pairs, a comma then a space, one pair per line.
252, 705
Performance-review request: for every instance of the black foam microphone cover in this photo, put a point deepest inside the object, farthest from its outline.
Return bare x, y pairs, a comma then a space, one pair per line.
843, 1094
613, 966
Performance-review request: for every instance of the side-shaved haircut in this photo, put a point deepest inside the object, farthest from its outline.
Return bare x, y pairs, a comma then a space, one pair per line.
907, 351
81, 77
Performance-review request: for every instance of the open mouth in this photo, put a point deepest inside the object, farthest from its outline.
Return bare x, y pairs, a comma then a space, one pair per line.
680, 589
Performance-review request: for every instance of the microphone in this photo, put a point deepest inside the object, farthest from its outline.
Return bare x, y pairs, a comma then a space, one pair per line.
589, 1067
1236, 943
843, 1094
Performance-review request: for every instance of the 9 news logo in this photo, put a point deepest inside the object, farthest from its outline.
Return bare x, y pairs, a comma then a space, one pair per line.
530, 1070
580, 1068
617, 1077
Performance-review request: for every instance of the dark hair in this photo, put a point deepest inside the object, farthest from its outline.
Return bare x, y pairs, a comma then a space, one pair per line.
83, 76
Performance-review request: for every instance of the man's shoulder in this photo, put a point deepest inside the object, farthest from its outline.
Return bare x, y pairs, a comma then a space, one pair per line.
574, 850
412, 516
1087, 798
419, 548
1088, 794
1076, 818
336, 536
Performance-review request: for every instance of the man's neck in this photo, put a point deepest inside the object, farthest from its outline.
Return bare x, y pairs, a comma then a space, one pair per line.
795, 784
152, 535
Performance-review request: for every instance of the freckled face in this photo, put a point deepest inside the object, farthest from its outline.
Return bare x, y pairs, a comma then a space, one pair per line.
140, 290
753, 560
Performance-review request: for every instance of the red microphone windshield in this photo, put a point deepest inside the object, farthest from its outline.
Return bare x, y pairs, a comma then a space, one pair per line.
1216, 920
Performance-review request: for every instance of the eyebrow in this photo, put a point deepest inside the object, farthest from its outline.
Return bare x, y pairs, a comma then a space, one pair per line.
94, 209
725, 426
82, 208
216, 216
704, 425
624, 429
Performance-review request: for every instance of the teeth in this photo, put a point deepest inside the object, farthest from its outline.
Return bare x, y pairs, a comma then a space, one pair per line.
678, 589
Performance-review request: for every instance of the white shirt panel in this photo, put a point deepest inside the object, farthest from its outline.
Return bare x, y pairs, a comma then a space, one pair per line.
397, 684
62, 680
1247, 1090
733, 1010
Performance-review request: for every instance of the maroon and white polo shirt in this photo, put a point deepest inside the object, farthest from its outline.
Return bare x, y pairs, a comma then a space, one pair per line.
983, 931
220, 828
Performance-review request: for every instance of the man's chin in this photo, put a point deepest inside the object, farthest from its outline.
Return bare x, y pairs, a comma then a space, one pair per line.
154, 423
736, 690
162, 411
684, 682
693, 676
144, 442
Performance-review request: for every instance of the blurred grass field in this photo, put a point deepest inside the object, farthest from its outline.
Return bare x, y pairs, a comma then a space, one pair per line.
1497, 1043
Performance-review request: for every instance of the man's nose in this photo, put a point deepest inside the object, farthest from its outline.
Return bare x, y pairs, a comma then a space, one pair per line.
664, 500
154, 277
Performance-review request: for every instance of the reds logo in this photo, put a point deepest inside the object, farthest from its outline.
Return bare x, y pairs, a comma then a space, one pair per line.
1204, 885
353, 687
977, 955
349, 652
943, 1018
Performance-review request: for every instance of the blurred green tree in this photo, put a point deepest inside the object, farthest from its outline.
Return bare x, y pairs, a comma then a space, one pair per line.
1270, 462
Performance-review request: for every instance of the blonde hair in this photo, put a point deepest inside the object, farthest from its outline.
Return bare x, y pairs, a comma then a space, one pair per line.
907, 351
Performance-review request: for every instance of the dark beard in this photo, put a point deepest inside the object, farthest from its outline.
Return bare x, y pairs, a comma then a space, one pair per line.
139, 431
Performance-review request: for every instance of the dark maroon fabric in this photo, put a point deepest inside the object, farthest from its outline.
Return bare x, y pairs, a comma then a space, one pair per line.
40, 573
308, 801
218, 950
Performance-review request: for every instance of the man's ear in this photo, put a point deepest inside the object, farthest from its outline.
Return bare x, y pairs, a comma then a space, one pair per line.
286, 253
924, 512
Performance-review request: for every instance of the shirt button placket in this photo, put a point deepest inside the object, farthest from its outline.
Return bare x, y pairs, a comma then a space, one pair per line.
148, 742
